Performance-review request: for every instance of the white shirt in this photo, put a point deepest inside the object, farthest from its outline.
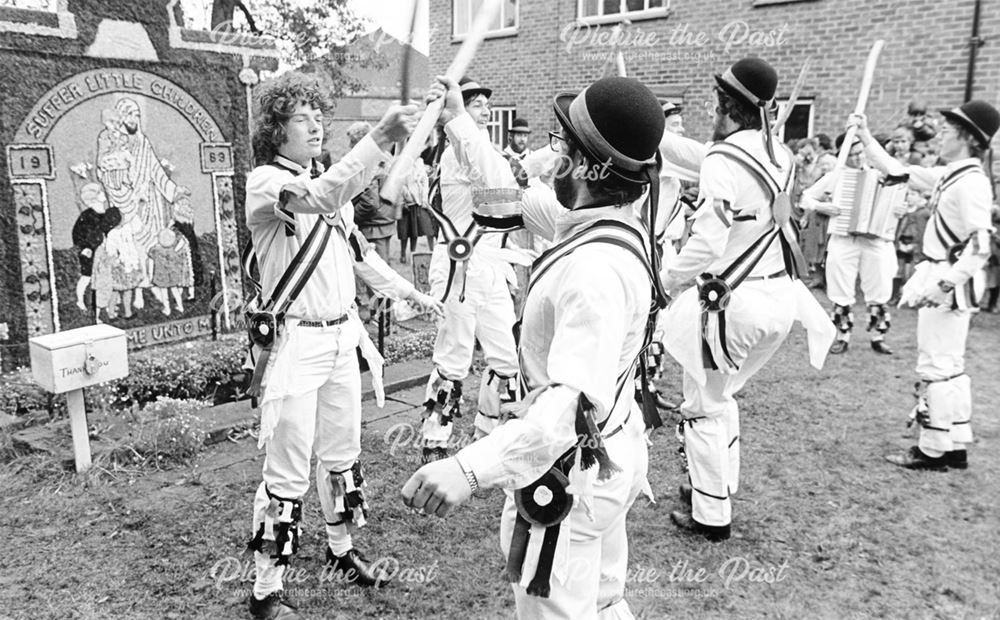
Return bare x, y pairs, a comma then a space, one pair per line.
583, 324
720, 235
329, 292
964, 205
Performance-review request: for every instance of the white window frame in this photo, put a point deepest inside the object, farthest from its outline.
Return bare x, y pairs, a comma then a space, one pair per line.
614, 18
66, 28
501, 117
53, 5
503, 31
808, 101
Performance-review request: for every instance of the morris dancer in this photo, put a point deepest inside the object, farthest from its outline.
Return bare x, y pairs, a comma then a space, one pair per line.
947, 286
850, 255
747, 297
585, 323
311, 399
475, 287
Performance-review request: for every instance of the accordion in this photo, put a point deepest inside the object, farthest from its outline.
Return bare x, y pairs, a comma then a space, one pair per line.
868, 207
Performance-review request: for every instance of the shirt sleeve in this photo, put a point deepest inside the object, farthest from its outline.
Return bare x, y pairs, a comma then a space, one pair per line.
814, 194
682, 157
712, 223
339, 183
540, 209
518, 452
263, 184
372, 270
485, 167
975, 204
921, 179
380, 276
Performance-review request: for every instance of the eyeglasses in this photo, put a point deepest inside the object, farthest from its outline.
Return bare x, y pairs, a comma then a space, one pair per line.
556, 142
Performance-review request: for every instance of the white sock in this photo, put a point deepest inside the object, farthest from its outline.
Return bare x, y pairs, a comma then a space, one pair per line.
338, 539
268, 576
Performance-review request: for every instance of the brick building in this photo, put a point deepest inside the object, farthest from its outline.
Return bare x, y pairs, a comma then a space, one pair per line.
541, 47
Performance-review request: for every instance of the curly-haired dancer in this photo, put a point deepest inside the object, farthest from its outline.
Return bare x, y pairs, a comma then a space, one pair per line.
302, 225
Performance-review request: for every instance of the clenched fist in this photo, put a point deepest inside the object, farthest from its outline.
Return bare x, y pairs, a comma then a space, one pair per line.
396, 125
437, 487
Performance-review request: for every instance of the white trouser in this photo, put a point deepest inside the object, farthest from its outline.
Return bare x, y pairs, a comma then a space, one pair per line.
758, 319
941, 336
321, 416
486, 314
598, 550
851, 256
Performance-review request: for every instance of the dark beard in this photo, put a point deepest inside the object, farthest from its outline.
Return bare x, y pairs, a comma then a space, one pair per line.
562, 183
719, 129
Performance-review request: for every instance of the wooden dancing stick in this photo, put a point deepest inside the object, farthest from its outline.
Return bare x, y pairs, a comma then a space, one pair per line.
792, 98
866, 87
404, 161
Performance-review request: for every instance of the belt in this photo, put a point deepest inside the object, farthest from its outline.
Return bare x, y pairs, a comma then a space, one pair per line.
772, 276
337, 321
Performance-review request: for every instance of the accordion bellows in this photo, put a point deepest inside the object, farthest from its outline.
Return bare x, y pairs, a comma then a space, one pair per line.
867, 207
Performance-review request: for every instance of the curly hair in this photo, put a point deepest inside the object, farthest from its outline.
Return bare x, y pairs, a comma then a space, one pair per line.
742, 113
276, 101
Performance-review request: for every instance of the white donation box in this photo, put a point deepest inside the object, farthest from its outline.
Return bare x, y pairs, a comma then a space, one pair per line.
66, 362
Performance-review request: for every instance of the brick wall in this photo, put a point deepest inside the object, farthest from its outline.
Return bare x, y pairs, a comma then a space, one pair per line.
925, 55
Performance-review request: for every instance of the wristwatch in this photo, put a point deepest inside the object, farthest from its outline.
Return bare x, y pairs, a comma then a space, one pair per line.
469, 475
946, 286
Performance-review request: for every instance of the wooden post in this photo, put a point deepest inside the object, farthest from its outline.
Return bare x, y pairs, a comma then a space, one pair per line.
78, 424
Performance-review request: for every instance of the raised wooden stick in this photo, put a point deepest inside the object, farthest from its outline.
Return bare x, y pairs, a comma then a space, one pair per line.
404, 161
796, 90
866, 87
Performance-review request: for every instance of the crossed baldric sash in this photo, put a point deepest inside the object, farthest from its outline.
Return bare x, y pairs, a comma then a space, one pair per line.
264, 319
544, 504
950, 241
714, 291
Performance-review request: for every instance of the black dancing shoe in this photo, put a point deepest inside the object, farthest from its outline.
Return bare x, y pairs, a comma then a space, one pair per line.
356, 569
839, 346
272, 607
713, 533
916, 459
956, 459
684, 491
879, 346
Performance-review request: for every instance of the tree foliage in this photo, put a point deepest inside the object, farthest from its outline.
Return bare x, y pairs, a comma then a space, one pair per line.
316, 35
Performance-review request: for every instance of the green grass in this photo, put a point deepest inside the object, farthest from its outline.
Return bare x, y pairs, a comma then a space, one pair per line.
853, 536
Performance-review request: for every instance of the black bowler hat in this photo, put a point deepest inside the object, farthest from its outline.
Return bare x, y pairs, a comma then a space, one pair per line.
754, 82
979, 117
520, 125
616, 120
471, 88
751, 80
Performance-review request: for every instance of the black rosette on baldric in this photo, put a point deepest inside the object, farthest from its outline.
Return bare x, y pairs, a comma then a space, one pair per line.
543, 503
714, 294
262, 328
459, 249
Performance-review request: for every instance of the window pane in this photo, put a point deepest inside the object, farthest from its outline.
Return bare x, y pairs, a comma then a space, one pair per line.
655, 4
635, 5
510, 14
611, 7
589, 8
461, 16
